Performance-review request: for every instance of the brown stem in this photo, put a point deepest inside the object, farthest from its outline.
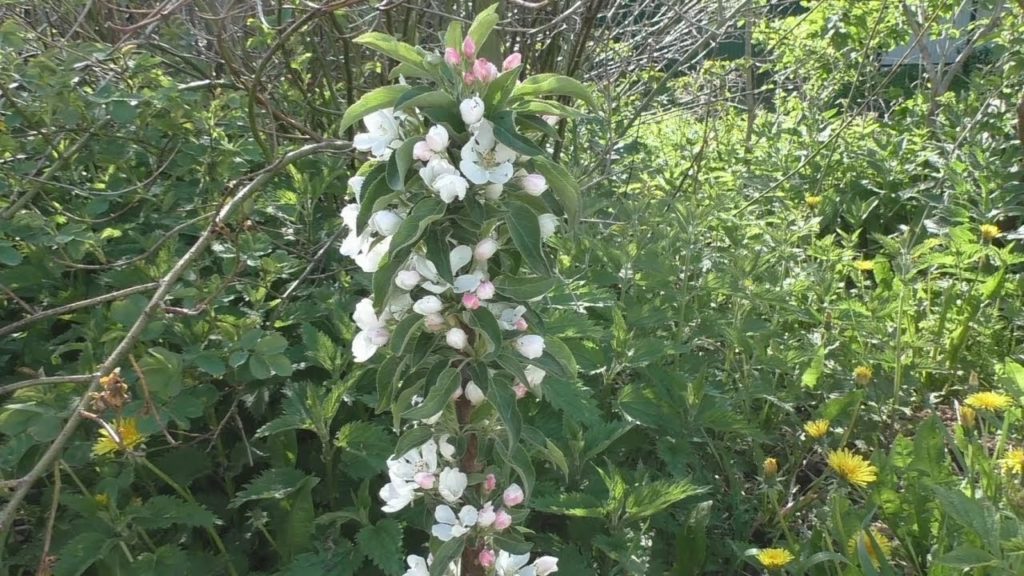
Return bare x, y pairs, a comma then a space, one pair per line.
469, 464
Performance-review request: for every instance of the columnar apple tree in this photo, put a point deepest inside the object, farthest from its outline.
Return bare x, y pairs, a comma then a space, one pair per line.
451, 215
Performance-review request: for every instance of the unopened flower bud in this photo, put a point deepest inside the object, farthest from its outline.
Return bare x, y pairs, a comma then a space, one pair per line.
545, 565
469, 48
513, 496
534, 184
428, 305
485, 249
502, 520
452, 57
437, 138
407, 279
521, 390
485, 291
474, 394
471, 110
433, 322
486, 558
421, 151
530, 346
456, 338
485, 71
490, 483
385, 222
493, 191
511, 61
521, 325
470, 301
770, 467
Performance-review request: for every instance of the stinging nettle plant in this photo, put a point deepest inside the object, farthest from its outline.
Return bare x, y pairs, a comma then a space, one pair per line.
451, 214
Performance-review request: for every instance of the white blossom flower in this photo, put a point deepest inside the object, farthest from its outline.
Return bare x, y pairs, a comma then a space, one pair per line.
474, 394
396, 495
450, 187
515, 565
467, 282
548, 223
485, 249
508, 315
534, 376
484, 159
472, 110
382, 134
534, 184
385, 222
451, 484
415, 465
451, 526
437, 138
545, 565
418, 566
530, 346
456, 338
364, 248
428, 305
407, 279
485, 291
421, 151
373, 332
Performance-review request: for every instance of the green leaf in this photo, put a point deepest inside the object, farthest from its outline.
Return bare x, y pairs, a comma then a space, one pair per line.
446, 554
389, 46
424, 97
386, 377
1012, 379
501, 88
547, 108
210, 362
375, 191
453, 35
524, 289
382, 543
163, 372
9, 255
320, 348
439, 395
813, 372
81, 552
483, 321
272, 343
505, 131
965, 557
404, 333
398, 164
482, 25
413, 438
554, 85
272, 484
649, 499
379, 99
260, 367
524, 228
503, 398
438, 254
560, 352
423, 214
511, 542
563, 185
164, 511
384, 278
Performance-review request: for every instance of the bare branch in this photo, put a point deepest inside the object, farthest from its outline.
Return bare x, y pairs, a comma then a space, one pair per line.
61, 310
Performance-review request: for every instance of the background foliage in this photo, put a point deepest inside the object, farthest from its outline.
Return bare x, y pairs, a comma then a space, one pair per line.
711, 295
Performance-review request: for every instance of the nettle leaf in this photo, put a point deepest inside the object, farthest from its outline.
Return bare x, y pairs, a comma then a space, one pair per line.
440, 394
505, 131
399, 163
524, 229
364, 448
382, 544
164, 511
81, 552
482, 25
554, 85
390, 46
272, 484
563, 185
649, 499
446, 554
524, 289
379, 99
320, 348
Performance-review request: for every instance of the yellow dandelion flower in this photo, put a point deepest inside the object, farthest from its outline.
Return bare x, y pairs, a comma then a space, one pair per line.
990, 232
774, 558
862, 375
881, 547
991, 401
852, 467
813, 201
126, 431
1013, 463
816, 428
770, 467
968, 417
864, 265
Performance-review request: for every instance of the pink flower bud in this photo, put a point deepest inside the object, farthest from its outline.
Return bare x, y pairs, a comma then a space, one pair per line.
514, 59
502, 520
484, 71
469, 48
486, 557
451, 56
469, 77
513, 495
485, 291
470, 301
424, 480
485, 249
521, 325
490, 483
534, 184
520, 389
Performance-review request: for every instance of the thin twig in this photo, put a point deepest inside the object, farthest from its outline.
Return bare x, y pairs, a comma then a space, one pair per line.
149, 399
45, 560
28, 308
47, 380
60, 310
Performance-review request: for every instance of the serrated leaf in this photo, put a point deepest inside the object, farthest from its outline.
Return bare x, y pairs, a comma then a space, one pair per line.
439, 395
379, 99
649, 499
81, 552
320, 347
554, 85
382, 544
524, 228
164, 511
272, 484
524, 289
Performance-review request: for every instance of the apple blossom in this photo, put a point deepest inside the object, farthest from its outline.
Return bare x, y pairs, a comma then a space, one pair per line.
428, 305
502, 520
422, 459
486, 516
456, 338
466, 283
534, 376
471, 301
452, 57
485, 291
486, 558
521, 390
507, 564
511, 61
490, 483
507, 315
418, 566
484, 70
548, 223
396, 495
513, 495
474, 394
446, 448
421, 151
534, 184
451, 187
472, 110
468, 77
521, 325
424, 480
530, 346
373, 332
407, 279
381, 136
452, 484
469, 48
437, 138
545, 565
493, 191
449, 526
485, 249
433, 322
385, 222
484, 159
